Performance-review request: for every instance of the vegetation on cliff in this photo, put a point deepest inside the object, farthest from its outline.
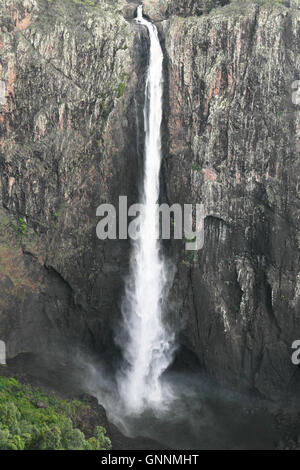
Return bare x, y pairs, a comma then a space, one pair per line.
32, 419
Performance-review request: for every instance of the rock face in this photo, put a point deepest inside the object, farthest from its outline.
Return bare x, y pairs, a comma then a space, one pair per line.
161, 9
68, 143
234, 145
71, 139
129, 10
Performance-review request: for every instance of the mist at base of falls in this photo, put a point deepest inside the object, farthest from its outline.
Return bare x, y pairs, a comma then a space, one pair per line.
199, 413
196, 414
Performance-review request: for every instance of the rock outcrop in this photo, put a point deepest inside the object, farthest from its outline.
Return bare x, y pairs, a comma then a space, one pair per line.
159, 10
234, 146
129, 10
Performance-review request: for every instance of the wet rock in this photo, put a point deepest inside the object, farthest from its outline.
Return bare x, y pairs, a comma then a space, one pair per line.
129, 11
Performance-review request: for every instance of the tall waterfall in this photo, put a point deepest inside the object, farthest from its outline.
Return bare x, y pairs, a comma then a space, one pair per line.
149, 345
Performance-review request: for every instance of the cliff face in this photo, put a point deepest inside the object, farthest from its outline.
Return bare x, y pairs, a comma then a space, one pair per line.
71, 138
159, 10
68, 143
234, 145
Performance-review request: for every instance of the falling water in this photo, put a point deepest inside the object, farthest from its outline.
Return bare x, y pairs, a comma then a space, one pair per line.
149, 346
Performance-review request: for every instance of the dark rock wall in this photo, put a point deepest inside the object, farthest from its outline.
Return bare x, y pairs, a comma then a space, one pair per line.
68, 143
161, 9
234, 145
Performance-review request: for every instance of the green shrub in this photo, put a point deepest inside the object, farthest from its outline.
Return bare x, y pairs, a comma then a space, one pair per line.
25, 425
22, 227
104, 441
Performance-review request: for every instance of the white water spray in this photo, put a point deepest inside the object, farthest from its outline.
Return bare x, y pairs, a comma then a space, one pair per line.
149, 346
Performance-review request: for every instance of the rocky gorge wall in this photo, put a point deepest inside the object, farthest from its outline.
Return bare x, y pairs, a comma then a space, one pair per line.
68, 143
233, 135
71, 138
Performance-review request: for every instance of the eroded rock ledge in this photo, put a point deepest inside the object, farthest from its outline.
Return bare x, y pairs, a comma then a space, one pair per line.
159, 10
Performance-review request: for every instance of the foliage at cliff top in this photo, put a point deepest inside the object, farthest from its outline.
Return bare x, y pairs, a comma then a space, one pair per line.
31, 419
106, 4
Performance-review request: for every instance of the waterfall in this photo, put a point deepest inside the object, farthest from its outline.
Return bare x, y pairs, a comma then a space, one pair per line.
148, 348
